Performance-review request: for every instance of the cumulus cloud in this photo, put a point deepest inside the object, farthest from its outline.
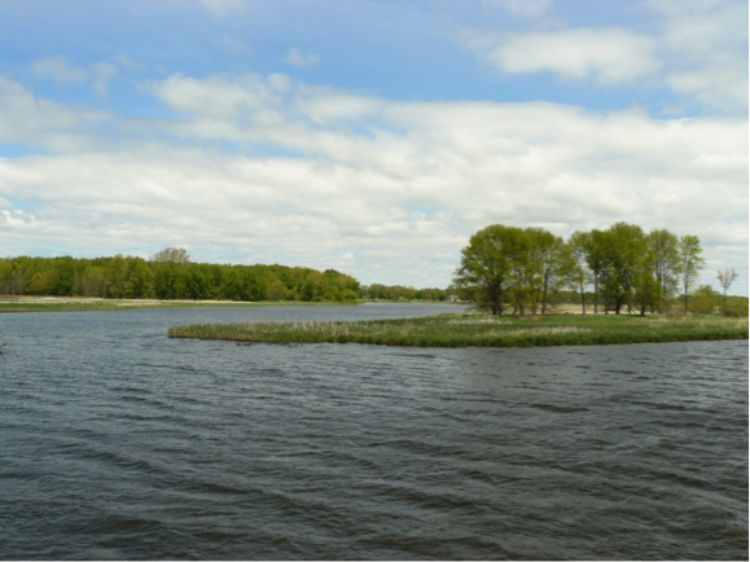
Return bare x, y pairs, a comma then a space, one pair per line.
696, 49
62, 71
606, 55
386, 190
300, 59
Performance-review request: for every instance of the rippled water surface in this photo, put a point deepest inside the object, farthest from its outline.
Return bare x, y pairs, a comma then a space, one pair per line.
116, 442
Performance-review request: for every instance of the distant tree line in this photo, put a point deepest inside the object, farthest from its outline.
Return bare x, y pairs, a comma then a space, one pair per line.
377, 291
171, 275
522, 270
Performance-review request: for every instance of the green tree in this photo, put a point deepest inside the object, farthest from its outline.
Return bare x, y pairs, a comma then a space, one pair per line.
551, 259
578, 272
663, 250
172, 255
596, 258
691, 262
91, 282
486, 267
624, 249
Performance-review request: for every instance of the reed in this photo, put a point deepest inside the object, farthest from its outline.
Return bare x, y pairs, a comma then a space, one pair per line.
471, 329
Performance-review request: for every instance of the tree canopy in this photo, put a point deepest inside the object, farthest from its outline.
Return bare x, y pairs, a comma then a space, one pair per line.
170, 275
507, 268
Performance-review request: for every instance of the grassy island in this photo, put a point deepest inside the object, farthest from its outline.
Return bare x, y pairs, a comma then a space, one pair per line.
473, 329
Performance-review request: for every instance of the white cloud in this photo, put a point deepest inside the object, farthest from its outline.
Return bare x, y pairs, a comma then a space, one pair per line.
62, 71
386, 190
59, 69
704, 46
221, 8
301, 59
695, 48
533, 9
606, 55
25, 118
102, 72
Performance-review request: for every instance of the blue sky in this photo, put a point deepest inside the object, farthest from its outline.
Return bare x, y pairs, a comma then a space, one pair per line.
374, 137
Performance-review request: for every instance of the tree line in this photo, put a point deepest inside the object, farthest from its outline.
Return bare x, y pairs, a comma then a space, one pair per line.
171, 275
521, 270
378, 291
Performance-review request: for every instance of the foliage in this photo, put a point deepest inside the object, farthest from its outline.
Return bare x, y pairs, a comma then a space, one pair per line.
378, 291
526, 270
705, 300
126, 277
172, 255
495, 268
735, 307
691, 262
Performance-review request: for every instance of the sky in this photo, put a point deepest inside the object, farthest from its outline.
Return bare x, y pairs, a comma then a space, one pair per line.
372, 137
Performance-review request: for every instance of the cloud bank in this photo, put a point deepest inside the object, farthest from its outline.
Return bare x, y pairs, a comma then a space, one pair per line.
250, 168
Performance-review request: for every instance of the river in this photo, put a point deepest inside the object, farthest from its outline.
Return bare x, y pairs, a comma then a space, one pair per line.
117, 442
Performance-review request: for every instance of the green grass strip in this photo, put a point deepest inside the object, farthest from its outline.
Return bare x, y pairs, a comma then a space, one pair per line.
463, 330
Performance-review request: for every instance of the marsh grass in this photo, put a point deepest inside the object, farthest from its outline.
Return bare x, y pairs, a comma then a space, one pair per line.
471, 329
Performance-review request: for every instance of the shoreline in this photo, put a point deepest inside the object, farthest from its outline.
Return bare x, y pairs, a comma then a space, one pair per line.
27, 304
41, 303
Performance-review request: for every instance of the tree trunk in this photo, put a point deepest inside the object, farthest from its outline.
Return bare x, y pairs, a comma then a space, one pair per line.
685, 285
596, 293
583, 300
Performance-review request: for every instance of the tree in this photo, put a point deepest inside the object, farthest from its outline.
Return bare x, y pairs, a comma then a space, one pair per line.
726, 278
549, 255
486, 267
577, 274
663, 249
172, 255
624, 247
596, 254
691, 262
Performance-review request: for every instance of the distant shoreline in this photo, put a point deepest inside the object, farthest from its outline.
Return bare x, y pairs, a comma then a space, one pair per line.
9, 304
26, 303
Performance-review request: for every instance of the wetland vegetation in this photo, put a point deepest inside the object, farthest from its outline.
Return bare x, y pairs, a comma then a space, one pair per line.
476, 329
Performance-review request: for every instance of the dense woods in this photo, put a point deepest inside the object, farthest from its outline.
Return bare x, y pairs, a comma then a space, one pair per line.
522, 270
170, 275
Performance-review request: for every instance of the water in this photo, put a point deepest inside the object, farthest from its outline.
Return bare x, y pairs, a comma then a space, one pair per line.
116, 442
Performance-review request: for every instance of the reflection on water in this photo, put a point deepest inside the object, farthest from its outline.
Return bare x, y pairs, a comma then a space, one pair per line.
116, 442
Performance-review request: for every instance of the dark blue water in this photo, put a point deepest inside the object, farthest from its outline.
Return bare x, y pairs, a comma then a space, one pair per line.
117, 442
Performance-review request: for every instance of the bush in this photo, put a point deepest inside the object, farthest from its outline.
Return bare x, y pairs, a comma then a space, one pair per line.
735, 307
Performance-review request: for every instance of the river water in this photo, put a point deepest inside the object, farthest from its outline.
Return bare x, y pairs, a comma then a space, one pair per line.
117, 442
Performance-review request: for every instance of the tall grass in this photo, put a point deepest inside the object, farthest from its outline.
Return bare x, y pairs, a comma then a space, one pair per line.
461, 330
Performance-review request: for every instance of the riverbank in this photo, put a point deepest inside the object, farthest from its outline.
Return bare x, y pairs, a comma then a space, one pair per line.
82, 304
472, 329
